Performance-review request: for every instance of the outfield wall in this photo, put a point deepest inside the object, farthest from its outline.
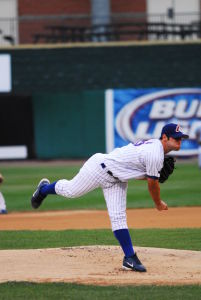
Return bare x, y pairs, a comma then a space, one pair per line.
69, 124
67, 84
88, 68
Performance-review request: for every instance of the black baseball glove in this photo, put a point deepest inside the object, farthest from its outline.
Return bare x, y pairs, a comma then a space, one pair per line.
167, 169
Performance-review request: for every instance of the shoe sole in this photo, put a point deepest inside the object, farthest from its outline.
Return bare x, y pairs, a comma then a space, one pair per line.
44, 179
127, 269
132, 269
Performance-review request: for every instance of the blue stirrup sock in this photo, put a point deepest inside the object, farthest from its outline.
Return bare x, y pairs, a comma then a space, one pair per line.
48, 189
123, 236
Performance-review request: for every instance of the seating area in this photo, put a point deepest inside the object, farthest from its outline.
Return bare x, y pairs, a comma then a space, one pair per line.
117, 32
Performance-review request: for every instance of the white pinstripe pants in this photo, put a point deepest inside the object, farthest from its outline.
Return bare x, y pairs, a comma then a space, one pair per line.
92, 176
2, 202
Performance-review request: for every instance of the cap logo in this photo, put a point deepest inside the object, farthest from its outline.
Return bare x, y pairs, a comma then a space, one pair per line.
177, 128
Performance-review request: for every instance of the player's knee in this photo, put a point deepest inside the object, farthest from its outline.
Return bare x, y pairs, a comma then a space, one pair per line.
63, 188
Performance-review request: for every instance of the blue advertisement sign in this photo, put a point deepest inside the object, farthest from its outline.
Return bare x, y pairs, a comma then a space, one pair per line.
136, 114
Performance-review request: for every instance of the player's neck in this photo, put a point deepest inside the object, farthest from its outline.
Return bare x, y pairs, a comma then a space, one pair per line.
165, 146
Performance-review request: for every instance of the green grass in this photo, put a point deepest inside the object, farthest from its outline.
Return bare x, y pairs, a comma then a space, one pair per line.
188, 239
59, 291
182, 189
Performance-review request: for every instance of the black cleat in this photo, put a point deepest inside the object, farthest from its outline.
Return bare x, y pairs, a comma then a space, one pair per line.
37, 198
133, 263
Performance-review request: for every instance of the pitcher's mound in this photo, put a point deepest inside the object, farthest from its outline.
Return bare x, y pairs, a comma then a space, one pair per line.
100, 265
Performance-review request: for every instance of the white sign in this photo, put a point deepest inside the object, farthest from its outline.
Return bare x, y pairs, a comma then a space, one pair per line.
5, 73
13, 152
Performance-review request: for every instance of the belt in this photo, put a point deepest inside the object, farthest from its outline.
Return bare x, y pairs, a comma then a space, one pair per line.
109, 172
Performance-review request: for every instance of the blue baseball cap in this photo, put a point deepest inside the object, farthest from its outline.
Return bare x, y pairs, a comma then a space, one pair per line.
174, 131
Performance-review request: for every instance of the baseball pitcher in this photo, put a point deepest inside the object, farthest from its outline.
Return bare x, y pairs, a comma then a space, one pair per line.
142, 160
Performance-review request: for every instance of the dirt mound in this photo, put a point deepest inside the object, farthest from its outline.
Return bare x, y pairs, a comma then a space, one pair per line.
100, 265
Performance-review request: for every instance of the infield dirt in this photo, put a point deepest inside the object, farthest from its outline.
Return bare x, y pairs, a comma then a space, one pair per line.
180, 217
100, 265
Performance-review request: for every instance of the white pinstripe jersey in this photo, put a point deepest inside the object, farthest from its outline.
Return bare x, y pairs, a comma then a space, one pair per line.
137, 161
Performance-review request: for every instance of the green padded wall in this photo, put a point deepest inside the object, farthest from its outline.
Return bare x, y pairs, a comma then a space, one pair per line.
69, 125
87, 68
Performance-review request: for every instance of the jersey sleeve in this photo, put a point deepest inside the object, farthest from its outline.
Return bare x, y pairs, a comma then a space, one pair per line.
154, 164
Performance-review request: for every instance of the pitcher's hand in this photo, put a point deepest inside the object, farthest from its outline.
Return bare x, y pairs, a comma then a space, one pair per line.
162, 206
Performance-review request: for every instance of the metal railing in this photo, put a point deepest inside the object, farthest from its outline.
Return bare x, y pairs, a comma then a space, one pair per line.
79, 28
